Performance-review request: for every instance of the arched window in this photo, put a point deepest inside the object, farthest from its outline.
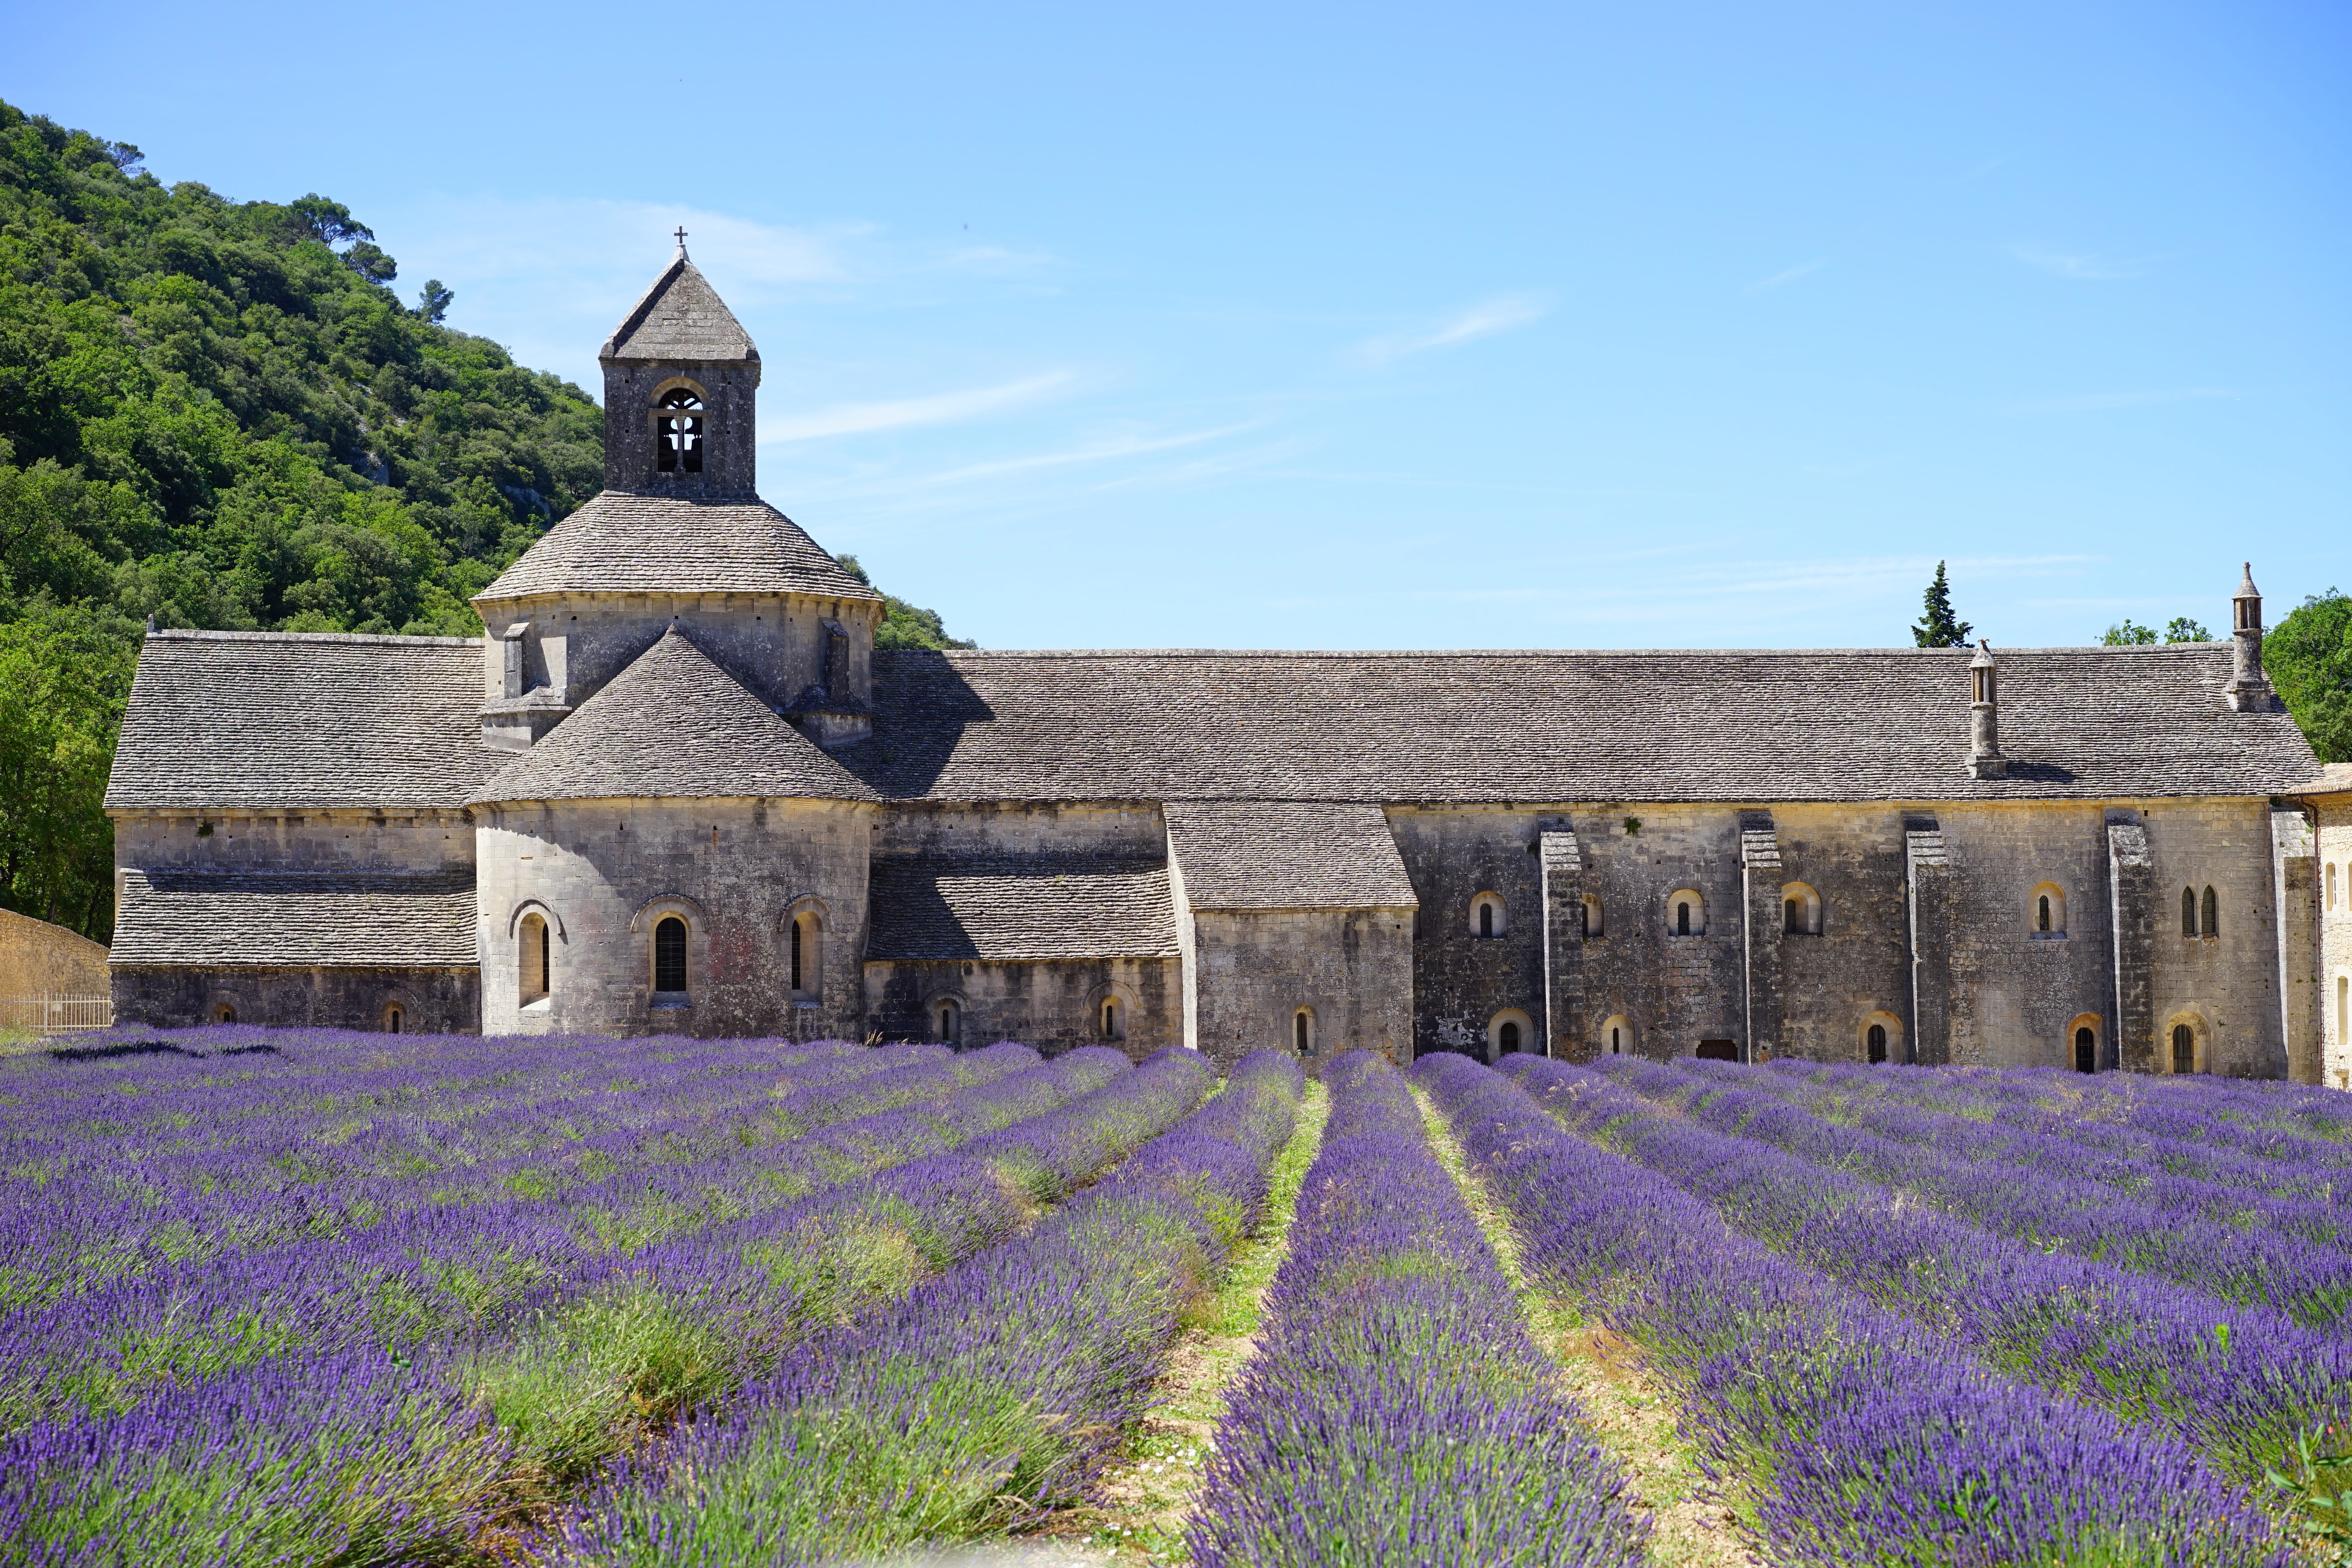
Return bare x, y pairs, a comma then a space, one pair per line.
530, 960
2331, 884
669, 954
1302, 1031
2045, 910
1880, 1037
2212, 914
1800, 909
806, 943
393, 1019
2087, 1049
1487, 915
1589, 908
678, 431
1617, 1036
1877, 1042
1509, 1032
2189, 912
1110, 1018
2184, 1048
1616, 1042
224, 1012
950, 1021
1686, 912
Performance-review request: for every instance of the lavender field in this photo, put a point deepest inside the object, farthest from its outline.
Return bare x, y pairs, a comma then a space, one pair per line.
306, 1296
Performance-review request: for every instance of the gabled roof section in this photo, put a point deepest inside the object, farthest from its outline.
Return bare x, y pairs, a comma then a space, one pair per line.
1286, 855
270, 720
620, 542
1013, 907
673, 726
336, 918
1704, 725
681, 320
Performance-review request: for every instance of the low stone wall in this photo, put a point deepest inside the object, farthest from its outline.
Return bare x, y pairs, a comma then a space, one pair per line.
40, 960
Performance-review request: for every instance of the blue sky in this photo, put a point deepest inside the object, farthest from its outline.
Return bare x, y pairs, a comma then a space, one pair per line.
1464, 326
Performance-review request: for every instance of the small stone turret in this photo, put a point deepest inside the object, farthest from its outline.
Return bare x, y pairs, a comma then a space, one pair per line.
2250, 688
1985, 761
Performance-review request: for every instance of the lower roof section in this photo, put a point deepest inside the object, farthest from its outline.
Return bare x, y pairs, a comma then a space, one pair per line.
1286, 855
929, 907
326, 919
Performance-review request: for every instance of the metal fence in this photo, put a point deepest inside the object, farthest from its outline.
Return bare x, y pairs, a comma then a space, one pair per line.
56, 1014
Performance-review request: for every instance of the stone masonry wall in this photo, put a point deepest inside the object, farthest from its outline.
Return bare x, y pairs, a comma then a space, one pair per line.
1053, 1006
431, 1000
1257, 967
777, 646
1460, 978
735, 871
1022, 827
294, 840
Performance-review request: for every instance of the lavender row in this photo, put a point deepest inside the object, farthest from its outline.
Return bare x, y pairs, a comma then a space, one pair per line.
2294, 1131
2270, 1200
2240, 1383
2031, 1194
437, 1276
1397, 1409
1860, 1436
353, 1452
112, 1207
986, 1392
2124, 1156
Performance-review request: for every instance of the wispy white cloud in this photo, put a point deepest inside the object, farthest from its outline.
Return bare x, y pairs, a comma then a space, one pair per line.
2092, 402
2086, 266
1505, 312
936, 408
1788, 275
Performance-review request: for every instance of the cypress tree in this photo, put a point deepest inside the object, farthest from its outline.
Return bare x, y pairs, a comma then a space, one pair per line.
1937, 628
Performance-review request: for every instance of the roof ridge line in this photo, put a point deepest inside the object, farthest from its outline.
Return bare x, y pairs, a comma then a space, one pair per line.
1078, 653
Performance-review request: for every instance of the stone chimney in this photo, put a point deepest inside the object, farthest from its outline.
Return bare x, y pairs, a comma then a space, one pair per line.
1985, 761
2250, 688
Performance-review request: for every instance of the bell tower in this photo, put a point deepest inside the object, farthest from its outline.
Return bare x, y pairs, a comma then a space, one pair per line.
681, 394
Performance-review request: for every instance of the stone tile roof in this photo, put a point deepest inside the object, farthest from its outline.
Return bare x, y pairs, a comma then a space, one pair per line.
291, 720
342, 918
1706, 725
622, 543
673, 725
681, 320
2336, 778
1286, 855
1020, 907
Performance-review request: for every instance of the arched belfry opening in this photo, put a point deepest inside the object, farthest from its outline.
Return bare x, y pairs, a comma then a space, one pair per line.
680, 355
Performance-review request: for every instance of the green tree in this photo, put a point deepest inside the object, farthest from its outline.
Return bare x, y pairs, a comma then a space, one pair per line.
64, 676
433, 300
2183, 629
1938, 627
2309, 657
904, 625
2127, 632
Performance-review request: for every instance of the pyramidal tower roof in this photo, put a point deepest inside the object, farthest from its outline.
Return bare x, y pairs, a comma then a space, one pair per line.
681, 320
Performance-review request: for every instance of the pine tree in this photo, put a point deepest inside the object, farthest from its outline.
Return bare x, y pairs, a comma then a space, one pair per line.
1936, 628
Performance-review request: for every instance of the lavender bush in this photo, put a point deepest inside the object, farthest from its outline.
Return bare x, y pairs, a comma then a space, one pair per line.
1397, 1410
991, 1390
1861, 1436
2242, 1383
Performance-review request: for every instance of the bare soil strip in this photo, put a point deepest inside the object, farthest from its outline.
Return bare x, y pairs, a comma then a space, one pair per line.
1143, 1503
1630, 1413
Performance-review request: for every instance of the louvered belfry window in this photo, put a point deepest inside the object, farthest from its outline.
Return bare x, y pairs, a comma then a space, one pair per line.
669, 954
677, 432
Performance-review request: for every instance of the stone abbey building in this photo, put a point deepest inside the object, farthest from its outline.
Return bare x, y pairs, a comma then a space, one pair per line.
674, 788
